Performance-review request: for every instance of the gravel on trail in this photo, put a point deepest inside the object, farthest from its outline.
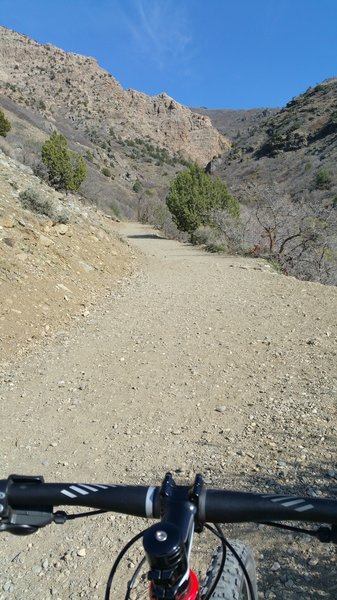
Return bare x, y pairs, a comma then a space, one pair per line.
196, 363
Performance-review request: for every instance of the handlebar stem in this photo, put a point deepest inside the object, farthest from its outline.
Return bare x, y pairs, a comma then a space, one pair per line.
167, 544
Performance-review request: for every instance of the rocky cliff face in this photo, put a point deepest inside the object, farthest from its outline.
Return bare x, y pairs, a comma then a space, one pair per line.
76, 88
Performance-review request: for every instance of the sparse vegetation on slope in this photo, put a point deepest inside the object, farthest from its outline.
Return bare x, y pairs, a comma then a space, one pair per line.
66, 169
284, 175
5, 125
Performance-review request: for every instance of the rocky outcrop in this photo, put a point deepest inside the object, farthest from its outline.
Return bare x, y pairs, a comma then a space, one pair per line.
57, 83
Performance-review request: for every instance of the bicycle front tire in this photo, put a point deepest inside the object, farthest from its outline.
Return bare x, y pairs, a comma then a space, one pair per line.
232, 584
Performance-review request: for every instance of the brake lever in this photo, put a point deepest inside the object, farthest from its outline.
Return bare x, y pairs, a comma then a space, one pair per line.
21, 521
25, 522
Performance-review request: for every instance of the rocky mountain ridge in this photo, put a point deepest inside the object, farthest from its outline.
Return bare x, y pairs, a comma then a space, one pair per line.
69, 88
73, 86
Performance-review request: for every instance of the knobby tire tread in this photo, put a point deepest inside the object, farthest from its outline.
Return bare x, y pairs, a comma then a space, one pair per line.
232, 584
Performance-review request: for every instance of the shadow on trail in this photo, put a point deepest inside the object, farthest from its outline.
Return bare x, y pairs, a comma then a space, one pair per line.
307, 567
146, 236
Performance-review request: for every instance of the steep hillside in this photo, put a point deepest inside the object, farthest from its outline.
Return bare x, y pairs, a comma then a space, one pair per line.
131, 135
297, 142
284, 173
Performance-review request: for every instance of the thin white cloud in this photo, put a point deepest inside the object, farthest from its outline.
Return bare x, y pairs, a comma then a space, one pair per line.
159, 31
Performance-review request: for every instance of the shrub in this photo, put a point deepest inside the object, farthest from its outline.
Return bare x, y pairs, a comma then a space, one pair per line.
106, 172
215, 248
137, 186
194, 196
89, 156
5, 125
66, 169
33, 200
323, 179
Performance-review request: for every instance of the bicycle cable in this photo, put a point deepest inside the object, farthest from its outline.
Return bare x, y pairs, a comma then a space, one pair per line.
321, 533
221, 566
90, 513
118, 560
131, 583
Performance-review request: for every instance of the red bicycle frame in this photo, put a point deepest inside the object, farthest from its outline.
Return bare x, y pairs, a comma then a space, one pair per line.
191, 593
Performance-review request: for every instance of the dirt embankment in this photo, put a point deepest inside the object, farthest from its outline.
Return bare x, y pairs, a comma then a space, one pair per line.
51, 272
197, 363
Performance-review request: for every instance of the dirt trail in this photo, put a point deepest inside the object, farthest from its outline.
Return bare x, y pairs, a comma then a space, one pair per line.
198, 363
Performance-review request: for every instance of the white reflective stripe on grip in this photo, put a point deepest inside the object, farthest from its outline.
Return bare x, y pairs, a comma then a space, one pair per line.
149, 501
292, 502
304, 508
69, 494
79, 490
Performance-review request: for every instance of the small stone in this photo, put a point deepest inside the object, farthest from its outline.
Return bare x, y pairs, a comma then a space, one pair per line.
85, 266
7, 222
36, 569
312, 341
46, 241
81, 552
221, 409
22, 256
7, 586
61, 229
9, 242
275, 566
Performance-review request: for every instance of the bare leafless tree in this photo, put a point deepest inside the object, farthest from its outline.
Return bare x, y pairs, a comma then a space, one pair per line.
299, 235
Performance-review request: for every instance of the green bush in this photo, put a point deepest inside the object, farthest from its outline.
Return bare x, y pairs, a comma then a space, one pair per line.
137, 186
194, 196
106, 172
66, 169
323, 179
5, 125
89, 156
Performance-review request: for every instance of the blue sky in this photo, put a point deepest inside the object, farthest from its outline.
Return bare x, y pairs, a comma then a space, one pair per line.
213, 53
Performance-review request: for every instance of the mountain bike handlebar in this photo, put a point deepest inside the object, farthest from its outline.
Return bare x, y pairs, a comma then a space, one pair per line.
27, 501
